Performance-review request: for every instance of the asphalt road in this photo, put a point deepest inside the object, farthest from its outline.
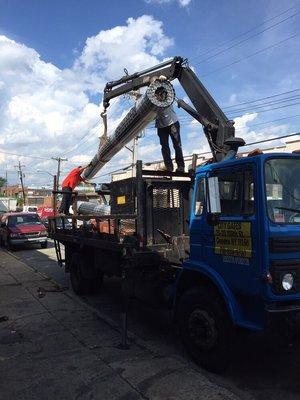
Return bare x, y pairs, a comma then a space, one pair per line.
264, 366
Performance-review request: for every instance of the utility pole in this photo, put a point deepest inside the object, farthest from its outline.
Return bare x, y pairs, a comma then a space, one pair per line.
59, 160
6, 181
20, 173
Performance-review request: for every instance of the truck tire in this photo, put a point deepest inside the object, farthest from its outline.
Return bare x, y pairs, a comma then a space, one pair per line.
205, 328
44, 245
82, 285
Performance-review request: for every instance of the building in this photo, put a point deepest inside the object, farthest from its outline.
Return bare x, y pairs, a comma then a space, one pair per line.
35, 196
286, 147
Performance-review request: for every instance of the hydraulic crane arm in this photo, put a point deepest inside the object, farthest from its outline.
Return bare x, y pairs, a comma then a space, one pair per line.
170, 69
218, 129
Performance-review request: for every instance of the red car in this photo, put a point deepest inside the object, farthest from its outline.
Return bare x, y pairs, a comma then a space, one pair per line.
22, 228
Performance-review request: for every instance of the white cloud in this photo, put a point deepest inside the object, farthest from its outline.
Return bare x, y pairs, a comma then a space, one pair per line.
46, 111
182, 3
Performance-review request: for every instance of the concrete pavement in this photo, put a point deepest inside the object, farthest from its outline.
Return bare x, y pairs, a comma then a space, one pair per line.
57, 347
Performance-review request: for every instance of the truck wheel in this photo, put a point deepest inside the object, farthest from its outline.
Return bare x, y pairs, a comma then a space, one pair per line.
44, 245
205, 328
80, 284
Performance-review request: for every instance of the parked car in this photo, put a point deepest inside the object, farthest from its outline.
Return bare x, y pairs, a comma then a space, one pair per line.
22, 228
29, 209
1, 214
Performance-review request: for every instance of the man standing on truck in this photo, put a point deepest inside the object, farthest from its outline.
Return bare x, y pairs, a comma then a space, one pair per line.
167, 124
68, 185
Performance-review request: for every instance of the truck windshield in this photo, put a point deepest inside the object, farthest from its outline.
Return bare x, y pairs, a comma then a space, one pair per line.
282, 177
23, 220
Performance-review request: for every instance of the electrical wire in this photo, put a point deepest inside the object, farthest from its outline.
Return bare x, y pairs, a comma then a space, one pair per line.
260, 99
23, 155
262, 111
250, 37
267, 104
245, 33
80, 144
251, 55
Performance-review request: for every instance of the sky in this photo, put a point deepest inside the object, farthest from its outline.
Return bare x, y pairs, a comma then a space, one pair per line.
56, 56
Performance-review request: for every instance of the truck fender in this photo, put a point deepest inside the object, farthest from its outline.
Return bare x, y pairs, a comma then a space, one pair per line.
193, 275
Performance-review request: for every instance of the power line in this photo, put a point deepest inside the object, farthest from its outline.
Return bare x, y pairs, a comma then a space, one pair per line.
250, 144
187, 122
289, 100
273, 120
78, 143
260, 99
275, 138
251, 55
245, 33
250, 37
113, 172
246, 111
262, 111
23, 155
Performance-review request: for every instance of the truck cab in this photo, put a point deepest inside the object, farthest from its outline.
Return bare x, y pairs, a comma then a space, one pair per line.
245, 237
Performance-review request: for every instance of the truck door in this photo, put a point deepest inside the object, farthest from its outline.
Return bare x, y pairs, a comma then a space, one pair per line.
231, 245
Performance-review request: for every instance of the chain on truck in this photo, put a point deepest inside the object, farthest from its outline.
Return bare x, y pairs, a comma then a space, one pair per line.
218, 246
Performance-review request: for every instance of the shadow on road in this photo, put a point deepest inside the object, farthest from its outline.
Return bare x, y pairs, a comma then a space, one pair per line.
267, 365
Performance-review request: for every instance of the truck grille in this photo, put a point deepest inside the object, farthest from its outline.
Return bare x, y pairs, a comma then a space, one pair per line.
284, 244
31, 235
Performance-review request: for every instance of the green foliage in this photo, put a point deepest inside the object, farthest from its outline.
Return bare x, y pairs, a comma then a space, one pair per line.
2, 182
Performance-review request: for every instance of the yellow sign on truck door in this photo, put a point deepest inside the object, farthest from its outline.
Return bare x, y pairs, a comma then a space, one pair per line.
233, 238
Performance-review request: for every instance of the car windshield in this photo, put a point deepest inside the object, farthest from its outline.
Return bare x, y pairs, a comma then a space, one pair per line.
28, 219
282, 178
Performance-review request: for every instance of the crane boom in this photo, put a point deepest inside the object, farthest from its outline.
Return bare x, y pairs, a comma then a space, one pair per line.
218, 129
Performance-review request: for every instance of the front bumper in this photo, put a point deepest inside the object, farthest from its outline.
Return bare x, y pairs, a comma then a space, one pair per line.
281, 307
42, 239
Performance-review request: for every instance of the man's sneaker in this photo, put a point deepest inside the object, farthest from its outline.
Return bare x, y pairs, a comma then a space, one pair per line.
169, 169
180, 169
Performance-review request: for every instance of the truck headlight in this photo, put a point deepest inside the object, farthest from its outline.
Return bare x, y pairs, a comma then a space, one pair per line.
287, 281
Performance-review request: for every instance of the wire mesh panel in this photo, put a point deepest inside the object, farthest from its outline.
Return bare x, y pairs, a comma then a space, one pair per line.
167, 212
127, 227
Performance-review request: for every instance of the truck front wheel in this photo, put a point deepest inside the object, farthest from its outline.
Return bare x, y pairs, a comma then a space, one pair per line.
80, 284
205, 328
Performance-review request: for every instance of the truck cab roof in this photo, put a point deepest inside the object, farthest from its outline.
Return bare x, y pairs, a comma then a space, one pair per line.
244, 160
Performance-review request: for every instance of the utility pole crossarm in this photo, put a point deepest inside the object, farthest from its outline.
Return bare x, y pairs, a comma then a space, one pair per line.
59, 160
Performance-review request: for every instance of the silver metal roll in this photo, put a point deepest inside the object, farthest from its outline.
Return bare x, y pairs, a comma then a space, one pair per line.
159, 95
89, 208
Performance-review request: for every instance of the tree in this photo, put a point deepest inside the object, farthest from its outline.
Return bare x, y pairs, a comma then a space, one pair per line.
2, 182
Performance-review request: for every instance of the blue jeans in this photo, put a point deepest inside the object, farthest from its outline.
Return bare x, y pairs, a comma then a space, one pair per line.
66, 200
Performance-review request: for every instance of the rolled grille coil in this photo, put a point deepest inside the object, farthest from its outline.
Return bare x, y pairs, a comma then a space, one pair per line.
159, 95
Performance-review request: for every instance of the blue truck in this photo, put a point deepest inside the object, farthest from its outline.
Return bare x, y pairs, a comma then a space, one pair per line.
219, 246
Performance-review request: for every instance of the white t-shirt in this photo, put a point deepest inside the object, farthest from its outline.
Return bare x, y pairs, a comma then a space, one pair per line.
166, 117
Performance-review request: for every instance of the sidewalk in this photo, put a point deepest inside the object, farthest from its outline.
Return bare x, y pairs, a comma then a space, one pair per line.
56, 347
